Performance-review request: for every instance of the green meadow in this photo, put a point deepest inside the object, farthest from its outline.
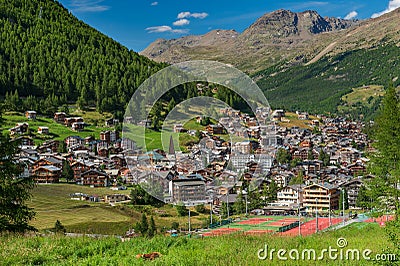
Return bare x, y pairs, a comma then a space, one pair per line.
53, 202
236, 249
57, 131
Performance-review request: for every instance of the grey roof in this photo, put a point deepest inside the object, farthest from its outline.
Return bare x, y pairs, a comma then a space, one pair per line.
189, 183
51, 168
324, 185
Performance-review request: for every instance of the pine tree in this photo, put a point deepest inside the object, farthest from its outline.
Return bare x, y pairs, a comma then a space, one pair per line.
67, 172
182, 210
144, 224
298, 179
59, 228
152, 228
240, 205
324, 157
385, 162
62, 147
283, 156
363, 200
171, 104
14, 190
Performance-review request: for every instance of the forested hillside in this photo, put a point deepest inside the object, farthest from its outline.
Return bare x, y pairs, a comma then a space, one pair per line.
48, 58
319, 87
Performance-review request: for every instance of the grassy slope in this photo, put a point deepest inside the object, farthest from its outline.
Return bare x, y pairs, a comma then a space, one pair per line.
52, 202
318, 87
57, 131
294, 121
158, 140
226, 250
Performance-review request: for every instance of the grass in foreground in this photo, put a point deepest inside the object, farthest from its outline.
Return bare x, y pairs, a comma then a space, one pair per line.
226, 250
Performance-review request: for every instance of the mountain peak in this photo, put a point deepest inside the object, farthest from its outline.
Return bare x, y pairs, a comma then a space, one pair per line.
275, 36
285, 23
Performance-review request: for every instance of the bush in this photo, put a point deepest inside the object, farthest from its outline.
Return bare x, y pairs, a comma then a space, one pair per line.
182, 210
201, 209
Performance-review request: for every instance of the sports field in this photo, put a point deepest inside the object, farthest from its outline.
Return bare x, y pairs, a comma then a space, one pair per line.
256, 225
271, 225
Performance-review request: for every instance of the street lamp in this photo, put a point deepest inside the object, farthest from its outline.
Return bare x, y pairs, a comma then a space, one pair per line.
342, 189
316, 215
211, 202
298, 204
244, 192
330, 221
227, 204
189, 215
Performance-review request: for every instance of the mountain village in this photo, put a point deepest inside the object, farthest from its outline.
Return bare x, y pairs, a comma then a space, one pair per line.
327, 156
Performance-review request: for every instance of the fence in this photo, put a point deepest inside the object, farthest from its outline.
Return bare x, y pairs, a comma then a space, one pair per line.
223, 222
288, 227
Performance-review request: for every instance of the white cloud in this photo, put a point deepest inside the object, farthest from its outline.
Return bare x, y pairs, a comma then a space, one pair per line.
184, 15
351, 15
393, 4
88, 6
154, 3
158, 29
192, 15
181, 22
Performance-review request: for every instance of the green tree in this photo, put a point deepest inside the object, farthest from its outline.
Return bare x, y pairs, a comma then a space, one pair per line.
62, 147
299, 179
324, 157
156, 115
137, 195
171, 104
201, 208
310, 155
295, 162
152, 228
385, 162
59, 228
254, 198
181, 209
142, 226
283, 156
272, 191
175, 225
198, 135
67, 172
64, 108
363, 200
224, 209
240, 205
14, 190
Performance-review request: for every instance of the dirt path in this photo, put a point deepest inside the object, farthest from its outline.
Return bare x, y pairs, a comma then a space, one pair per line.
322, 53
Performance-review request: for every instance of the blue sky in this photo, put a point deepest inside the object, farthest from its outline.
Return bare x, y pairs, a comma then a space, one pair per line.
137, 23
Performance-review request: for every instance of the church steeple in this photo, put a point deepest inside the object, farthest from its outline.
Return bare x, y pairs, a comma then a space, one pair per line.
171, 146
